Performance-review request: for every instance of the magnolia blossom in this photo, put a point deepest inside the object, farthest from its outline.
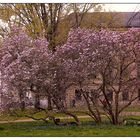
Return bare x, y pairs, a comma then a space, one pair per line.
26, 62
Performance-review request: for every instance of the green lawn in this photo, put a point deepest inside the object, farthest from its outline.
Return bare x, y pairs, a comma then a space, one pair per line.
42, 114
87, 128
133, 109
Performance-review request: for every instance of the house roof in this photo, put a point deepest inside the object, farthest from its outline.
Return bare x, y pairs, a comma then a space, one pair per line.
121, 19
132, 19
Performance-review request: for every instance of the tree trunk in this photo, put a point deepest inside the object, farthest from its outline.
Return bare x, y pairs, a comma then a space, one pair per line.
37, 101
22, 102
117, 108
49, 103
22, 106
115, 120
95, 115
72, 115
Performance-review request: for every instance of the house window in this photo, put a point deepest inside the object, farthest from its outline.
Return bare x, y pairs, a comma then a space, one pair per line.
139, 94
78, 95
110, 95
125, 96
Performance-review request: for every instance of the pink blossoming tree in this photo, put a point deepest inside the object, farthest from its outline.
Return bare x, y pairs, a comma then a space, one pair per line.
88, 56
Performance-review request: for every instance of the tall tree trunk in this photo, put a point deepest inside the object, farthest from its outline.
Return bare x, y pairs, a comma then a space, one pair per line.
49, 103
22, 106
117, 108
37, 101
22, 102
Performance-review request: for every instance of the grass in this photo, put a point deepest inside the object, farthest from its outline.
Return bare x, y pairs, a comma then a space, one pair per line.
76, 111
133, 109
87, 128
41, 114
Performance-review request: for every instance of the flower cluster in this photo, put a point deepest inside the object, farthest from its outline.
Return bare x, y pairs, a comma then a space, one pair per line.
27, 62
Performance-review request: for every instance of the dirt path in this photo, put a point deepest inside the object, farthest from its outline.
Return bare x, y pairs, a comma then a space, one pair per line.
30, 120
